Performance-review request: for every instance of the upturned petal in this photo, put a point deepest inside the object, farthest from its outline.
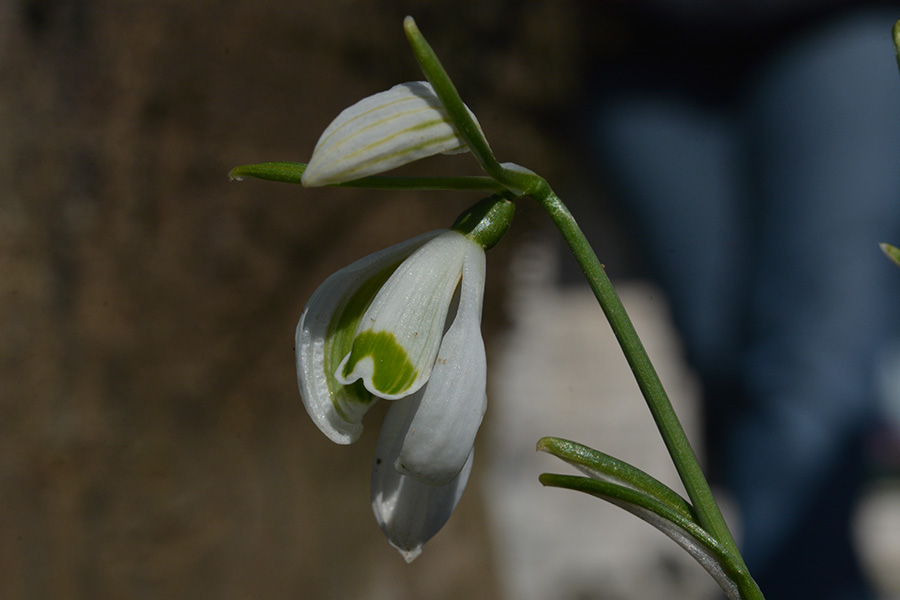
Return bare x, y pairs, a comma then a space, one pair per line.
442, 433
398, 338
409, 512
325, 333
382, 132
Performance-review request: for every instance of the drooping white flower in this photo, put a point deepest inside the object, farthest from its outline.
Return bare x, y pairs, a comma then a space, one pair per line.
404, 325
382, 132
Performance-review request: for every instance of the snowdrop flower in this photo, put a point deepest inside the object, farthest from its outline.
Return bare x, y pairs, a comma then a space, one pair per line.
404, 325
381, 132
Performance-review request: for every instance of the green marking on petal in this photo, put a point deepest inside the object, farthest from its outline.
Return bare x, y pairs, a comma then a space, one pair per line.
393, 372
340, 338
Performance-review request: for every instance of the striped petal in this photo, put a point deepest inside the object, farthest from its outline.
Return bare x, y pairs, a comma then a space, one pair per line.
409, 512
394, 348
325, 333
382, 132
442, 433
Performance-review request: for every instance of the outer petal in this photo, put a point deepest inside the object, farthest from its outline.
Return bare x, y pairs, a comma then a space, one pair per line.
323, 335
399, 336
443, 428
409, 512
381, 132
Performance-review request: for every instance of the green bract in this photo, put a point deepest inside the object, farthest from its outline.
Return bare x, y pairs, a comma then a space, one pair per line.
487, 221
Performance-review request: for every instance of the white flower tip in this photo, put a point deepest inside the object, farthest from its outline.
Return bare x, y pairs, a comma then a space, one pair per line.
410, 555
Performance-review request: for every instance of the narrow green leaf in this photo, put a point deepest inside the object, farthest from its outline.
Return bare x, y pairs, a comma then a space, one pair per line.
892, 252
721, 564
608, 468
897, 41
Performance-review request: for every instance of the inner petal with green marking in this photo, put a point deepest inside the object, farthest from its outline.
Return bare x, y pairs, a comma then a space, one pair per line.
352, 398
395, 344
392, 371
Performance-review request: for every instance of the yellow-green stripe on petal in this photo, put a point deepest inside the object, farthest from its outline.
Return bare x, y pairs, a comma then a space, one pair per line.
382, 132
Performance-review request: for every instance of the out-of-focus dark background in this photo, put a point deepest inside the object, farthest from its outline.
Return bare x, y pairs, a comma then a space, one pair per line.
152, 440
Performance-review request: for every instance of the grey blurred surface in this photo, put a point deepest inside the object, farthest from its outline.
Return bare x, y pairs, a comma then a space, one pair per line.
560, 373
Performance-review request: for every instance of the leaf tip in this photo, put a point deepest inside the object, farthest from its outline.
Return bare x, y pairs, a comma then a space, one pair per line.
892, 252
544, 444
409, 25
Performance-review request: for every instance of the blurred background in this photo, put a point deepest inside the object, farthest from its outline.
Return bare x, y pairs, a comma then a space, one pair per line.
152, 441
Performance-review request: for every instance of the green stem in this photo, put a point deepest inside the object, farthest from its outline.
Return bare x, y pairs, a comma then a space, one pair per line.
651, 387
521, 182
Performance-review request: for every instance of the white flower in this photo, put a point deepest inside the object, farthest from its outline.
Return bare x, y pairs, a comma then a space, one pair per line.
381, 132
404, 325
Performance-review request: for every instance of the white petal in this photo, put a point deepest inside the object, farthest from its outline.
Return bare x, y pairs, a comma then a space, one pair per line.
381, 132
409, 512
442, 432
399, 336
337, 410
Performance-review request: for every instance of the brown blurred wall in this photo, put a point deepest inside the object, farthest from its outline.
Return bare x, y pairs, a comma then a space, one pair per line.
152, 441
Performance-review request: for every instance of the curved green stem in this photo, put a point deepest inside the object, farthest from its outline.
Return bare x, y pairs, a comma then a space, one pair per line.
702, 518
651, 387
521, 182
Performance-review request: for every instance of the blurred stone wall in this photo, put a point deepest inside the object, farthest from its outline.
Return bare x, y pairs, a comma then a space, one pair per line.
152, 441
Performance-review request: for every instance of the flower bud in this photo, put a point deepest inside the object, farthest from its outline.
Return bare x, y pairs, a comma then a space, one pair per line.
382, 132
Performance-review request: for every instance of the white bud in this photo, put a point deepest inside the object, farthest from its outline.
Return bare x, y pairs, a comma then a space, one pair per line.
382, 132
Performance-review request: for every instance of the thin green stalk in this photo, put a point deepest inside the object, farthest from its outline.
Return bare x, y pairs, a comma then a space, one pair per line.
651, 387
521, 182
292, 172
707, 510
